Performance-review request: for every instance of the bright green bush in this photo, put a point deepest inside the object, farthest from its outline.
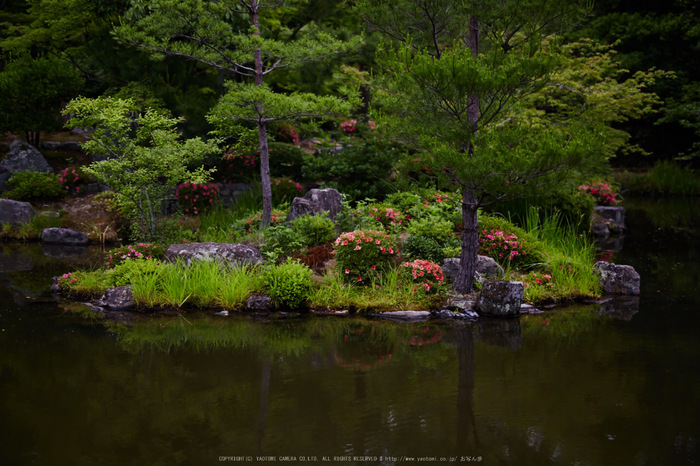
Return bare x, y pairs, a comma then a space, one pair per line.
315, 229
288, 284
34, 186
135, 269
280, 240
423, 247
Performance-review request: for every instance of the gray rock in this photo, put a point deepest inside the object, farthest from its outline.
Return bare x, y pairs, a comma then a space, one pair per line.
316, 201
233, 254
120, 298
64, 236
466, 315
15, 212
62, 251
261, 303
404, 316
614, 214
501, 298
618, 279
619, 307
460, 302
23, 156
486, 268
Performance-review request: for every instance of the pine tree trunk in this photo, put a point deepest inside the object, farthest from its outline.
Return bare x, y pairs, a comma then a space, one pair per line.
265, 174
262, 128
470, 204
470, 243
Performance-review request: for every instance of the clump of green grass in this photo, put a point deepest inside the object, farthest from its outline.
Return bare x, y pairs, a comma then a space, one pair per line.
664, 177
567, 257
385, 293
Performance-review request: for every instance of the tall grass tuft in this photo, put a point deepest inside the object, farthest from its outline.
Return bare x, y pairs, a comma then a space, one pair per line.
568, 256
387, 293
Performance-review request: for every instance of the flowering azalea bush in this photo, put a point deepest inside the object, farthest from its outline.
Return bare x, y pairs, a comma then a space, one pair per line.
348, 127
387, 216
195, 198
252, 223
425, 275
239, 164
134, 251
66, 280
537, 279
363, 255
287, 133
285, 189
72, 179
603, 193
503, 246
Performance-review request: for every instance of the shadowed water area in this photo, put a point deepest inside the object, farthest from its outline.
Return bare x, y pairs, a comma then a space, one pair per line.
588, 384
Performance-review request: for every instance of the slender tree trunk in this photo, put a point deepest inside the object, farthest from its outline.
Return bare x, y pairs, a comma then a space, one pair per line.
470, 242
470, 204
262, 128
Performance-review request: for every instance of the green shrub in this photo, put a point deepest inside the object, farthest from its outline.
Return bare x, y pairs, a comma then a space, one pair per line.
359, 170
431, 226
280, 240
286, 160
363, 255
288, 284
315, 229
34, 186
135, 269
423, 247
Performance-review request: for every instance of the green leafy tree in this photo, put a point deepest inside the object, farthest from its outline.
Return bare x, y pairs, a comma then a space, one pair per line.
450, 72
663, 35
230, 35
32, 91
142, 156
590, 85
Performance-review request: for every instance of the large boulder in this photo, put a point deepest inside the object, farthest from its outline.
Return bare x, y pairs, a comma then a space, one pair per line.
618, 279
120, 298
501, 298
64, 236
486, 268
234, 254
23, 156
15, 212
316, 201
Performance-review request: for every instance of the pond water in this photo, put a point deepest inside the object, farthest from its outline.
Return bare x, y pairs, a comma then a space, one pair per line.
587, 385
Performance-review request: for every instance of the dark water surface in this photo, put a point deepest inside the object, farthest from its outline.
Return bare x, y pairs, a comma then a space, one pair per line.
586, 385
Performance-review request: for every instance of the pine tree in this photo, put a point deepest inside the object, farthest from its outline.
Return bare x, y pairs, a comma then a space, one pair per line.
229, 36
450, 71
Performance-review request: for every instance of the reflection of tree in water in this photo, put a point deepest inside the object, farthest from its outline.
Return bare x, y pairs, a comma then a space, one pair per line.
363, 348
266, 372
466, 426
